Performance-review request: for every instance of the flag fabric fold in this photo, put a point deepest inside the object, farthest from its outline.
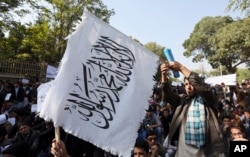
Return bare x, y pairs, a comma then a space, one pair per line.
101, 89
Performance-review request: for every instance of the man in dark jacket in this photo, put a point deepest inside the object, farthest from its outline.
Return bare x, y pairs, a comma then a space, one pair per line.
195, 123
31, 137
17, 94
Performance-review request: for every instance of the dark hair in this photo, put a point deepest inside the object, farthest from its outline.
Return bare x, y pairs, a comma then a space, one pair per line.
247, 109
150, 109
243, 84
239, 126
141, 143
226, 117
150, 133
227, 102
3, 131
26, 121
194, 78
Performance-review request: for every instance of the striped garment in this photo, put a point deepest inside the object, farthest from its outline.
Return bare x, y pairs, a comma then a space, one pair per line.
195, 124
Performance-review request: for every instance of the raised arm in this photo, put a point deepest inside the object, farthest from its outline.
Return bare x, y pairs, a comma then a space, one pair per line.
167, 93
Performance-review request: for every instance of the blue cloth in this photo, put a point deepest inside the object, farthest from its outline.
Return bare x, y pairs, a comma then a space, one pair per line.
195, 130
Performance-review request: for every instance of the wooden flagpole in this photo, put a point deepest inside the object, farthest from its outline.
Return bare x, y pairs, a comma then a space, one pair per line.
57, 133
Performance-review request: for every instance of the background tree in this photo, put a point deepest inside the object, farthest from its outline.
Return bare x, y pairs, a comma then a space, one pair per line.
155, 48
9, 9
37, 43
242, 5
158, 50
61, 17
242, 74
220, 70
11, 45
217, 40
44, 40
232, 45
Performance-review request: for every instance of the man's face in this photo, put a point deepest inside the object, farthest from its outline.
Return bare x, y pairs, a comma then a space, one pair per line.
244, 86
152, 140
247, 114
236, 133
189, 88
149, 114
240, 110
24, 130
139, 152
226, 121
165, 113
227, 107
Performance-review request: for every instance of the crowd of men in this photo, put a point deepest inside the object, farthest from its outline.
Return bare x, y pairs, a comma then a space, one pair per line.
24, 133
233, 114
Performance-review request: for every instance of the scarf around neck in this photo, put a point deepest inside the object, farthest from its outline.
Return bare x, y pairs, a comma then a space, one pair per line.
195, 129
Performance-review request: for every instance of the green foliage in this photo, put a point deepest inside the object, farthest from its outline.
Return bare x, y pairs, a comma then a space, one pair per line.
9, 9
61, 16
7, 5
38, 41
243, 74
158, 50
43, 40
220, 70
221, 41
155, 48
232, 44
11, 45
198, 44
242, 5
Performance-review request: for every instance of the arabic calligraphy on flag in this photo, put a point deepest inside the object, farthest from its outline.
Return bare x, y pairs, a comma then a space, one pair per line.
101, 89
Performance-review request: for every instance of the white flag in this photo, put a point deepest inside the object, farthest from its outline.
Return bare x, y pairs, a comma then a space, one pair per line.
102, 86
51, 71
42, 91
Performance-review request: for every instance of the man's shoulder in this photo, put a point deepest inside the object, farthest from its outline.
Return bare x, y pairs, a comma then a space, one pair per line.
34, 133
184, 99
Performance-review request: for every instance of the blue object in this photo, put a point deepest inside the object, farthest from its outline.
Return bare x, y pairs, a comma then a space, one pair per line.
169, 55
